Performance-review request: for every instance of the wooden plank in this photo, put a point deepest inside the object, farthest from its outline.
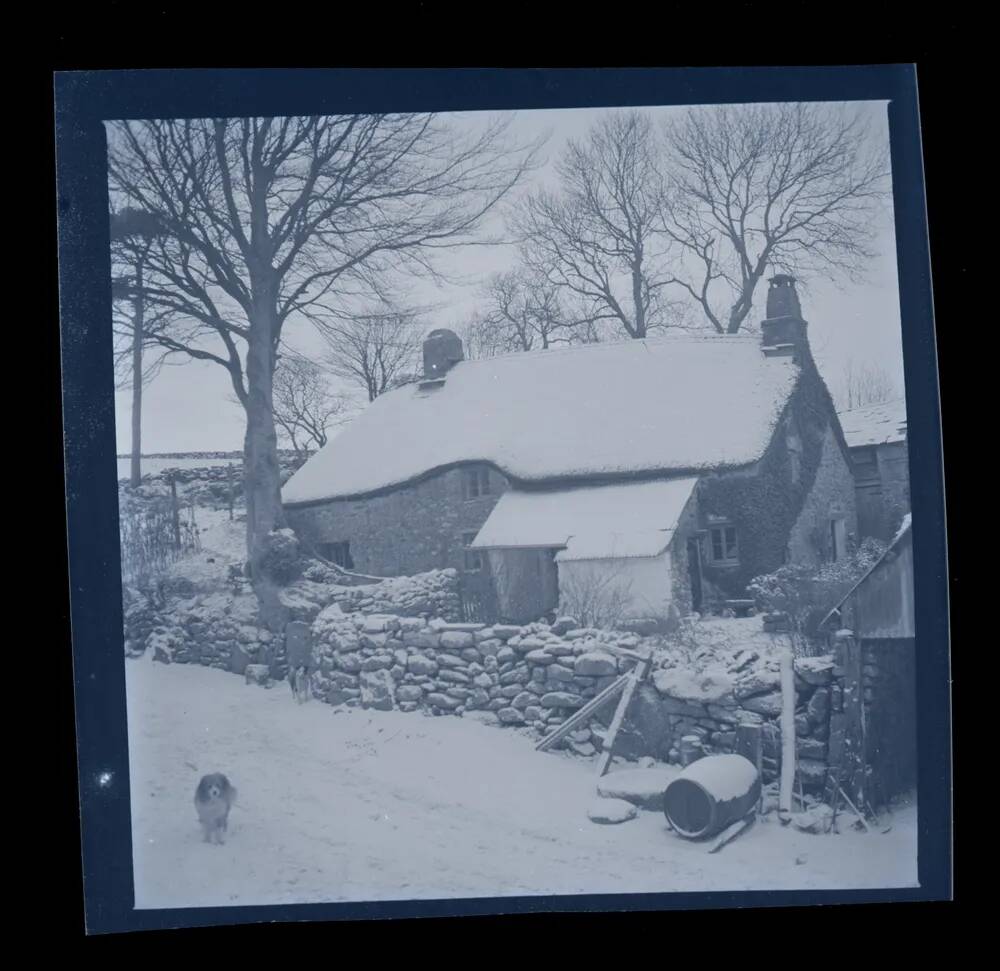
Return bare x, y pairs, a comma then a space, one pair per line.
584, 713
788, 753
730, 833
637, 674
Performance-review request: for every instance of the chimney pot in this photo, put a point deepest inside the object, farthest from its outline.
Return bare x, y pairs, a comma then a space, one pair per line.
784, 330
442, 350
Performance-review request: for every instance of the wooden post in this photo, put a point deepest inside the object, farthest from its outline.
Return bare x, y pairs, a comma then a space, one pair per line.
229, 484
749, 744
176, 513
787, 734
584, 713
637, 674
854, 716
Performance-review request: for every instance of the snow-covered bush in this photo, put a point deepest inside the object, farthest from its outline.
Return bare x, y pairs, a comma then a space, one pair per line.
805, 594
282, 559
148, 539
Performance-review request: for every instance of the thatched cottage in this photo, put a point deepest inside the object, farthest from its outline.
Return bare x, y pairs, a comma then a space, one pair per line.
648, 477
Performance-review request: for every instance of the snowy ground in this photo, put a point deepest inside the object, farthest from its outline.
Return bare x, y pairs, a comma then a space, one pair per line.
341, 805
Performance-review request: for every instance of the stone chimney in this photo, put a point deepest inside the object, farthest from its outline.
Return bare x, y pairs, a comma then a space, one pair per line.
783, 333
442, 350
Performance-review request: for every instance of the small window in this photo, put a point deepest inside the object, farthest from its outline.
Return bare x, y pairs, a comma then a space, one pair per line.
722, 545
338, 553
476, 483
473, 558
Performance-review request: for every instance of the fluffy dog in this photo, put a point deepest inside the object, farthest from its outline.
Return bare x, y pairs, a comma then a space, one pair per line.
213, 799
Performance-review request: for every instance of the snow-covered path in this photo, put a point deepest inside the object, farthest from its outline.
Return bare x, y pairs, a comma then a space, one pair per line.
355, 805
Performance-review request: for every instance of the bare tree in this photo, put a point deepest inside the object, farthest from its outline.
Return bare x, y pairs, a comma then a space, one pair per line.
267, 219
304, 406
372, 350
865, 384
790, 187
134, 325
523, 310
601, 237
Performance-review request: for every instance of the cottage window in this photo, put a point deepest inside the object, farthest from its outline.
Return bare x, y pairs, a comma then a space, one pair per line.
723, 547
473, 558
339, 553
476, 483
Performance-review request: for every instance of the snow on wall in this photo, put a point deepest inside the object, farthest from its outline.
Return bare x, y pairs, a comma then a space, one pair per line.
601, 409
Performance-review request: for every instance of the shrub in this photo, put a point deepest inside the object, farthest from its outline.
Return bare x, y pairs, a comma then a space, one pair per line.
805, 594
282, 558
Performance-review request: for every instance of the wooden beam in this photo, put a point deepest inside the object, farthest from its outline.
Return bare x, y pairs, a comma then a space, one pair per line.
584, 713
637, 674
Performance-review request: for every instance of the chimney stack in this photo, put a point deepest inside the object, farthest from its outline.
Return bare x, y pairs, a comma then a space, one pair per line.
783, 333
442, 350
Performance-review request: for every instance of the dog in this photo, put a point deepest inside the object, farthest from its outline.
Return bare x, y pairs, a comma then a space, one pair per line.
213, 799
298, 678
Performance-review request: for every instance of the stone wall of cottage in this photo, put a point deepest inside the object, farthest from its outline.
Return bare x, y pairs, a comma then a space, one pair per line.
771, 506
416, 527
832, 495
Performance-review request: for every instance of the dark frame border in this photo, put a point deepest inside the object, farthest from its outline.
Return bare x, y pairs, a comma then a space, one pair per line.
83, 99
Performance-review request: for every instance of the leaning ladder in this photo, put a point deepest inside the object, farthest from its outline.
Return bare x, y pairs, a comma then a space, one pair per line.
625, 686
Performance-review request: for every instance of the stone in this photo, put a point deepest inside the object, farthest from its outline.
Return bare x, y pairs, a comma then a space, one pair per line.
769, 704
641, 787
581, 748
523, 700
819, 706
409, 692
515, 676
675, 706
491, 647
540, 656
816, 671
510, 691
376, 663
596, 664
482, 681
505, 631
425, 639
757, 683
439, 700
562, 625
457, 639
812, 772
810, 748
377, 623
814, 820
505, 655
561, 699
349, 662
259, 674
533, 712
510, 716
559, 672
463, 694
374, 641
377, 690
802, 726
418, 664
454, 677
477, 698
449, 661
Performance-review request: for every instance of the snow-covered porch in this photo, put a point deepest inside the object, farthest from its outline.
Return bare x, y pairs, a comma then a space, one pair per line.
560, 547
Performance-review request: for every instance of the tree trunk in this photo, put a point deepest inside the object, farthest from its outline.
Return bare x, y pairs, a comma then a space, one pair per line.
261, 470
640, 310
137, 336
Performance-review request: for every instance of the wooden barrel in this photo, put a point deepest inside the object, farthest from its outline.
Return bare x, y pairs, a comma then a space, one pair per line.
710, 794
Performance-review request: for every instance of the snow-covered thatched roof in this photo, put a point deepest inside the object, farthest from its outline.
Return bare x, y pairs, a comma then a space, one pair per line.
590, 522
878, 424
673, 405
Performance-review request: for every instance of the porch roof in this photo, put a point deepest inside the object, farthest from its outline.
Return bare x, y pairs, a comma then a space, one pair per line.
590, 522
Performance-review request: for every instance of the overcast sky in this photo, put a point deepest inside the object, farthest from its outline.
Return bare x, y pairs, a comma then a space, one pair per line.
188, 407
